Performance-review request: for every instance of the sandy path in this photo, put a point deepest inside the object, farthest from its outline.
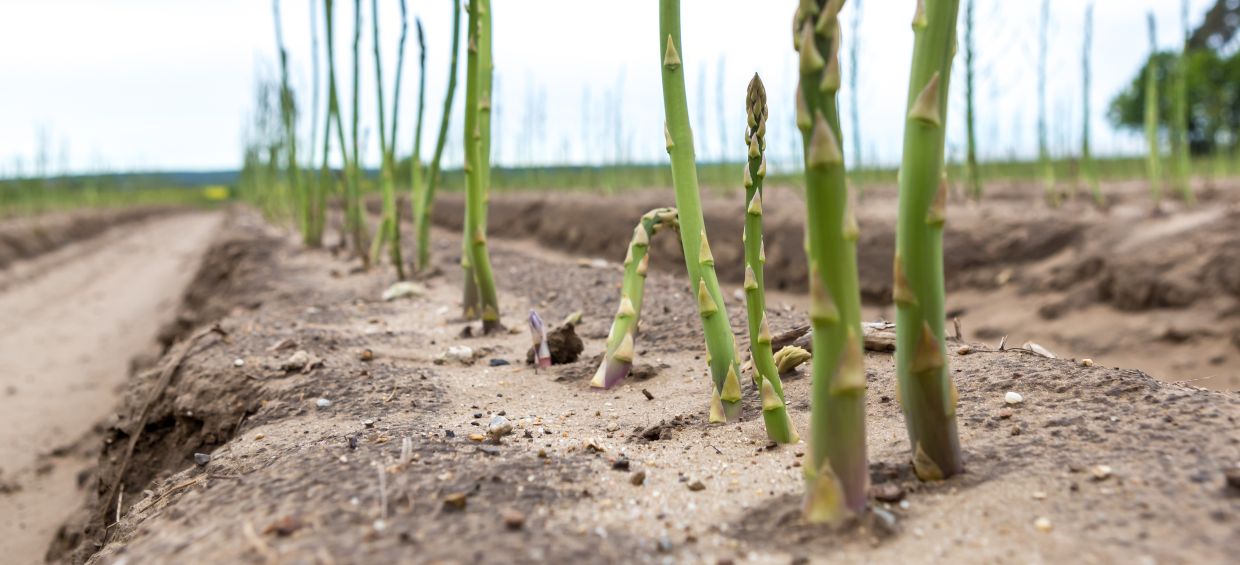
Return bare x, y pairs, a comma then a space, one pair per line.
69, 332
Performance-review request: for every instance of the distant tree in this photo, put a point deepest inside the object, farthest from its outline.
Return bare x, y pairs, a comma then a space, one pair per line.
1213, 85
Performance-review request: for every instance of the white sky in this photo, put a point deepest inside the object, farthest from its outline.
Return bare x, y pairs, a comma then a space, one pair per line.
168, 84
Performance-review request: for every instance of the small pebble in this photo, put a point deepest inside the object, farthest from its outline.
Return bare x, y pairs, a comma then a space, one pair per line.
697, 486
259, 437
613, 426
297, 360
476, 437
366, 355
1100, 472
1087, 362
1039, 495
499, 427
498, 362
638, 478
323, 403
1005, 413
1231, 476
368, 423
1013, 397
1043, 524
964, 350
514, 520
201, 459
621, 464
238, 362
647, 394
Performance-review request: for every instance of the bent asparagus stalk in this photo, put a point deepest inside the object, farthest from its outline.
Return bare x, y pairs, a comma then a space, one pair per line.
538, 331
618, 360
779, 427
426, 201
836, 476
926, 390
721, 354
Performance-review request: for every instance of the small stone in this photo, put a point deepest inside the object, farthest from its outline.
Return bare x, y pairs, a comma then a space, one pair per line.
1039, 495
884, 522
366, 355
664, 544
1087, 362
259, 437
238, 362
887, 492
1005, 413
542, 453
454, 501
462, 353
1015, 430
697, 486
612, 426
638, 478
477, 437
296, 361
621, 464
449, 433
201, 459
368, 423
499, 427
964, 350
1043, 524
498, 362
514, 520
1013, 397
1100, 472
323, 403
647, 394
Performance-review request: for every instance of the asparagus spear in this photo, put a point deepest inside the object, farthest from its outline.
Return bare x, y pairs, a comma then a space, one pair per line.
618, 360
928, 396
477, 166
699, 262
779, 427
836, 475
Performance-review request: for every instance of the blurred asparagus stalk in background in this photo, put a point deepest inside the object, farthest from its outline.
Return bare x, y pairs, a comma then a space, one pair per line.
618, 359
974, 175
926, 391
779, 428
836, 473
1182, 162
389, 229
417, 180
721, 352
355, 216
426, 200
476, 261
1044, 150
333, 116
1153, 160
288, 114
1088, 167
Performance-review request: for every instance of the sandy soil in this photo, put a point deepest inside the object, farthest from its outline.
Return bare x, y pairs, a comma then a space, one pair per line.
1157, 290
305, 463
74, 318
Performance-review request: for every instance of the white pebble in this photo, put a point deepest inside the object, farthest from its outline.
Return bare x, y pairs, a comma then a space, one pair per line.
1043, 524
238, 362
323, 403
1013, 397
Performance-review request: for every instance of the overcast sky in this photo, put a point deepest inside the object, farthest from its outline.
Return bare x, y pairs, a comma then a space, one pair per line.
169, 84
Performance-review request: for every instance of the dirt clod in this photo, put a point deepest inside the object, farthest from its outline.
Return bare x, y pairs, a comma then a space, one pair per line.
455, 501
638, 478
